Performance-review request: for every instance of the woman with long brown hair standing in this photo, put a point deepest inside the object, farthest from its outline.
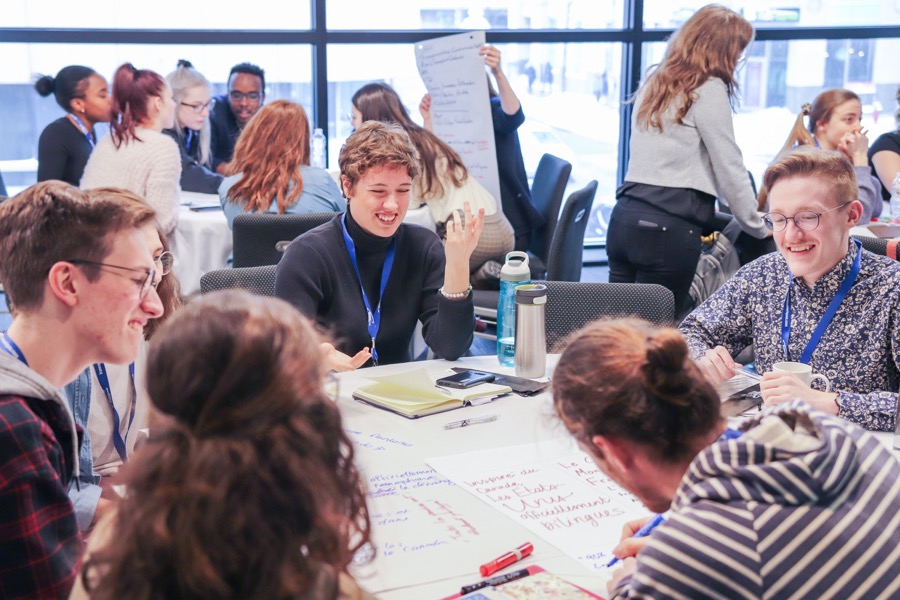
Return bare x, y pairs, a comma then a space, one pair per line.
272, 170
683, 156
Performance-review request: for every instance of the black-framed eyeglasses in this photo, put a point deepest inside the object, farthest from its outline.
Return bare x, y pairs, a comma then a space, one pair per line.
147, 282
807, 220
164, 263
199, 108
238, 96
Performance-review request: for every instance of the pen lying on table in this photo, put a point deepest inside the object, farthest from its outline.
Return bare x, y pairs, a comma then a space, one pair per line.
472, 421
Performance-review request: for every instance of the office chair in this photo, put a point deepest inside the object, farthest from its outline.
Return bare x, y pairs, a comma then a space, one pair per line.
547, 190
877, 245
573, 304
259, 280
258, 237
567, 247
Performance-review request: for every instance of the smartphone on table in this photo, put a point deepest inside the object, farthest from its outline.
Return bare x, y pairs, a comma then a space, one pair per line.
465, 379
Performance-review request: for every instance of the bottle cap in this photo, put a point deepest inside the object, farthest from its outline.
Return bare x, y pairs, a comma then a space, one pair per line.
531, 293
516, 267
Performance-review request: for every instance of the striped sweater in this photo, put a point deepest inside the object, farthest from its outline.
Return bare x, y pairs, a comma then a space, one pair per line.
803, 505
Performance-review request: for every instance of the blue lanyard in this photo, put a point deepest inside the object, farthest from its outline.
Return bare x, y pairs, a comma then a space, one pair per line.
189, 137
825, 321
118, 442
11, 348
374, 318
83, 128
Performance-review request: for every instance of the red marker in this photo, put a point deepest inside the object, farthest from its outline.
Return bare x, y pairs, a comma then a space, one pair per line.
506, 560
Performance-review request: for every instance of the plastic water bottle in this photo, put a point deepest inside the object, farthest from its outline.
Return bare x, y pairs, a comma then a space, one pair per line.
317, 150
895, 197
514, 272
531, 333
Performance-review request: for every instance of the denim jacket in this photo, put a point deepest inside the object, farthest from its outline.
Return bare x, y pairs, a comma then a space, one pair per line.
85, 491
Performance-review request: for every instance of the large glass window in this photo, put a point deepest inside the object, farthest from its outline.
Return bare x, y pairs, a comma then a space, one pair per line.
164, 14
288, 76
568, 92
666, 14
476, 14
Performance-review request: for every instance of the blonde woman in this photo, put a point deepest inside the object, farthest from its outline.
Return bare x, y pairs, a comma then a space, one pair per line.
193, 100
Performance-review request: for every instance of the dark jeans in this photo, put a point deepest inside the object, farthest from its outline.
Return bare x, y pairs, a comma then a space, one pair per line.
648, 245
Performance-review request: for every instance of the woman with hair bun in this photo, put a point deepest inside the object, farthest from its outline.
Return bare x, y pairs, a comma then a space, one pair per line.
250, 489
753, 513
137, 155
192, 93
66, 143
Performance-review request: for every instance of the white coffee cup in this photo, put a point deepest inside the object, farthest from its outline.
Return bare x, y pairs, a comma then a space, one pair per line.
801, 370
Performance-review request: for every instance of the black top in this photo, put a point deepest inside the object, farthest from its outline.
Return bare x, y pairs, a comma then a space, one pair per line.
890, 142
224, 131
515, 195
194, 176
63, 151
317, 277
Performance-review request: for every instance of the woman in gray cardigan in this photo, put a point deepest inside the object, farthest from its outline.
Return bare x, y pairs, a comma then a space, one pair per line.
683, 156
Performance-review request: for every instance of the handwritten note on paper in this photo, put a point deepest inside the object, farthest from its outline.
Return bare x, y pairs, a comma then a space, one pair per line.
554, 490
424, 528
454, 75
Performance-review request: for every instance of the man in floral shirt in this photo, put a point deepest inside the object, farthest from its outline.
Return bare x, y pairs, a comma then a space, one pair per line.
821, 300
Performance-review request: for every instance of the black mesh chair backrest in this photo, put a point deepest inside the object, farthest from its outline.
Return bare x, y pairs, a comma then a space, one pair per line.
547, 191
259, 280
874, 245
256, 235
572, 304
567, 248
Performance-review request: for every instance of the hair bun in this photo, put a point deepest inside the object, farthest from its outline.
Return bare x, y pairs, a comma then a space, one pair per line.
664, 372
45, 85
185, 63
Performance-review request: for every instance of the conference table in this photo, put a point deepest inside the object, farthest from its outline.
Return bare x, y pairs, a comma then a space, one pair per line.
202, 240
431, 530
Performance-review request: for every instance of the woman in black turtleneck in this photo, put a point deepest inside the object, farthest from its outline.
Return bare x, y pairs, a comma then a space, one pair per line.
333, 271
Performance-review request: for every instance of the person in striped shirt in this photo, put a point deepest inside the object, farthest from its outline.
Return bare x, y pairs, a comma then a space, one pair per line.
798, 504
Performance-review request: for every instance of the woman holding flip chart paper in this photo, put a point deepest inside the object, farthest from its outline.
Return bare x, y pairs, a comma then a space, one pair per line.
443, 182
250, 489
368, 277
798, 504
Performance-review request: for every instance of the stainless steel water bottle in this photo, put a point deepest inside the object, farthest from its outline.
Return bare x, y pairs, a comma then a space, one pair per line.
531, 336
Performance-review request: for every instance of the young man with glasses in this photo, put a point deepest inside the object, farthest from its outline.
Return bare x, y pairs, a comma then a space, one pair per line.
231, 112
820, 300
81, 278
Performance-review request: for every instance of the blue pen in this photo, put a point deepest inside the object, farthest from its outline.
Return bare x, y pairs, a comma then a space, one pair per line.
644, 531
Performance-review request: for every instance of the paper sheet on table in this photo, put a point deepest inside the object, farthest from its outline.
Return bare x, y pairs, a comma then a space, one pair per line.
453, 73
425, 528
554, 490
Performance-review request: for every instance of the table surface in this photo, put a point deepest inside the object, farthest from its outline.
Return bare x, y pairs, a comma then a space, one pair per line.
387, 444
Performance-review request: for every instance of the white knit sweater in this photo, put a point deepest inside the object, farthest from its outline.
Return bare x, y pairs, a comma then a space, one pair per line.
150, 168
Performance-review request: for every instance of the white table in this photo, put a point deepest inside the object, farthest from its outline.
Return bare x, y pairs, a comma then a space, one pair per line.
202, 241
387, 444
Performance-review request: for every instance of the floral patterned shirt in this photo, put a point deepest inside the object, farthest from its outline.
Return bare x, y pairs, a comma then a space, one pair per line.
859, 351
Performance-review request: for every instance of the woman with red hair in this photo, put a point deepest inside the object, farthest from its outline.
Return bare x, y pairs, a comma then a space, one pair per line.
137, 155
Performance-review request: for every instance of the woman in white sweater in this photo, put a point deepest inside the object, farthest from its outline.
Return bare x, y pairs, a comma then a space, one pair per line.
137, 156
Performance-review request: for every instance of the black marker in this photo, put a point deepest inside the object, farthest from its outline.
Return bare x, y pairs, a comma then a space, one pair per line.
498, 580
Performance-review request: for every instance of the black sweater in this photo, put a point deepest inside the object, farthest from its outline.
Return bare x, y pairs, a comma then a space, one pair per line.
316, 276
63, 150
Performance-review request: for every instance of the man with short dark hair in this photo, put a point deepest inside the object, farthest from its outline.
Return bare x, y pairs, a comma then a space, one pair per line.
81, 277
820, 300
231, 112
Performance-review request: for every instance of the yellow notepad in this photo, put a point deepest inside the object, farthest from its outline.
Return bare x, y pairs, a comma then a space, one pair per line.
413, 394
